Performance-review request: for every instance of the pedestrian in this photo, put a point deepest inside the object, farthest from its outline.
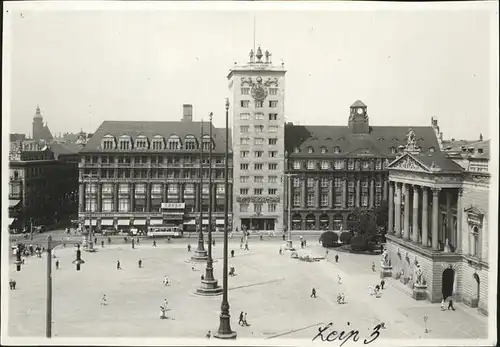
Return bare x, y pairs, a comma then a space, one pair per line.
261, 237
339, 279
336, 258
57, 264
166, 281
442, 305
138, 240
213, 242
450, 304
326, 253
281, 251
133, 243
14, 283
154, 243
109, 240
140, 263
232, 253
240, 321
162, 312
245, 323
305, 243
283, 237
193, 268
202, 277
104, 301
118, 265
246, 246
373, 266
382, 284
209, 334
189, 248
342, 298
102, 243
313, 293
165, 303
11, 284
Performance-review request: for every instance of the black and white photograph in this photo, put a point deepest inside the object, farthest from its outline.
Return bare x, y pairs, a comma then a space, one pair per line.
259, 173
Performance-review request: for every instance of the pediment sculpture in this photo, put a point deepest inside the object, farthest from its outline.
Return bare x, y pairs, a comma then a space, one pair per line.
408, 163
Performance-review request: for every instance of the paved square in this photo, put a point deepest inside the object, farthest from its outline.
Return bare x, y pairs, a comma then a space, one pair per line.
273, 289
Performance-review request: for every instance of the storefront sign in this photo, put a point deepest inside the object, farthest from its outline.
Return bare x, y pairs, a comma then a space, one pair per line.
172, 205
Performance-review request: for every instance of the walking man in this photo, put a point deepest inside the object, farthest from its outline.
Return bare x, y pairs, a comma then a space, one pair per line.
240, 321
57, 264
336, 258
246, 246
109, 240
450, 305
154, 243
140, 263
102, 243
232, 253
373, 266
339, 279
313, 293
189, 248
104, 302
118, 265
382, 284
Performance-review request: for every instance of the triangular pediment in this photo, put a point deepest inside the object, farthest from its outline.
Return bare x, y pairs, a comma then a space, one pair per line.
408, 162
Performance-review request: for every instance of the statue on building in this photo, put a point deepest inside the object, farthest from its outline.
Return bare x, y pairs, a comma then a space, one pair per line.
385, 258
410, 137
251, 55
259, 55
267, 55
418, 274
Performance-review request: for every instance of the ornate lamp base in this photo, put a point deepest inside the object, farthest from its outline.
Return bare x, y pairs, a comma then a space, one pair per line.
289, 246
199, 256
209, 288
386, 271
419, 292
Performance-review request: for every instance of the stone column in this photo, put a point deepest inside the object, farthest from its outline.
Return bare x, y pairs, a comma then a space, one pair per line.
317, 193
344, 192
435, 219
406, 232
99, 197
214, 197
181, 192
397, 210
390, 202
358, 192
197, 197
449, 220
303, 198
115, 195
415, 213
385, 190
330, 194
132, 197
81, 198
372, 192
460, 213
425, 215
165, 192
230, 188
148, 197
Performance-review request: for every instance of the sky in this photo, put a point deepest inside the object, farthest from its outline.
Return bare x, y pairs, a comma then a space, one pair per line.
85, 67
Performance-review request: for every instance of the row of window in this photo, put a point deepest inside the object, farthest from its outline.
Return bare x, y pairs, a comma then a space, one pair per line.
259, 104
258, 116
337, 182
259, 166
311, 199
259, 141
258, 191
257, 207
156, 188
246, 91
259, 129
107, 205
259, 179
155, 159
125, 142
157, 173
336, 149
339, 164
258, 154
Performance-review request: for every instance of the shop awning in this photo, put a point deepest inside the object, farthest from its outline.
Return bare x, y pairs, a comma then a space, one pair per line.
311, 220
323, 219
13, 202
173, 217
156, 222
87, 222
107, 222
11, 220
140, 222
123, 221
190, 222
220, 221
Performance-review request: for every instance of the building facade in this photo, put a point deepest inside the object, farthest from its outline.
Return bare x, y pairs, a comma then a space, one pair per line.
333, 170
41, 131
42, 189
438, 222
257, 94
141, 174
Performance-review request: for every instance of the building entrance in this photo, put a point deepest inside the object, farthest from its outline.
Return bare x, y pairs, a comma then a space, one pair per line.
258, 223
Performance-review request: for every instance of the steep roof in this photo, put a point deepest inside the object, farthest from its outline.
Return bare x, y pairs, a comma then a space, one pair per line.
45, 133
150, 129
475, 145
358, 103
17, 137
378, 141
431, 161
64, 148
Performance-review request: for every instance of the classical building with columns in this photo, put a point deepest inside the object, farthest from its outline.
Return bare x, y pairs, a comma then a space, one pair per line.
332, 170
140, 174
438, 218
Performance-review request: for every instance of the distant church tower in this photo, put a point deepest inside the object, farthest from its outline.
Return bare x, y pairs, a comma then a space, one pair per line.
358, 118
40, 131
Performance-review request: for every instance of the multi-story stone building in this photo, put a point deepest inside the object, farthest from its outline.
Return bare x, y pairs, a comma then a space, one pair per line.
140, 174
42, 184
257, 92
438, 222
335, 169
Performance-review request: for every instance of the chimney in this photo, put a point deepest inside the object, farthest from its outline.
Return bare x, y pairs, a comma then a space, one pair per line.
480, 137
187, 113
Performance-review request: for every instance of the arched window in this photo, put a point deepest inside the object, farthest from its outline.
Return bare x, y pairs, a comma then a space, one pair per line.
190, 143
108, 142
174, 143
310, 149
392, 149
323, 150
207, 142
296, 150
158, 143
141, 142
125, 142
336, 149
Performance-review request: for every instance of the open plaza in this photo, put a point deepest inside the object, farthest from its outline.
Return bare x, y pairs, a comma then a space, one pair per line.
274, 290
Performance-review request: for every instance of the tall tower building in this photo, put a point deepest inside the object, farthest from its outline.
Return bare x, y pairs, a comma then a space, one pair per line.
257, 95
40, 131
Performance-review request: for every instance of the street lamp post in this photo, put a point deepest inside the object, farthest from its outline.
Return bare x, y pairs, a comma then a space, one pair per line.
89, 244
78, 261
209, 285
289, 243
200, 254
224, 331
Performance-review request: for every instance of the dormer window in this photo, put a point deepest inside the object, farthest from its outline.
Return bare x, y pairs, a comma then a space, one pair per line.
431, 149
141, 142
323, 150
310, 150
296, 150
190, 143
108, 142
207, 141
158, 143
393, 150
341, 139
381, 139
336, 149
395, 139
125, 142
480, 150
174, 143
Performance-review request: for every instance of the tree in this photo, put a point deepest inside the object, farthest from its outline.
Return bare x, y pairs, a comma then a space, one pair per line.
363, 222
382, 215
328, 238
345, 237
359, 243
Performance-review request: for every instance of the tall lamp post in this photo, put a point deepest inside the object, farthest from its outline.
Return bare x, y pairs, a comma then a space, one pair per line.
88, 245
78, 261
200, 254
225, 331
209, 285
289, 243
